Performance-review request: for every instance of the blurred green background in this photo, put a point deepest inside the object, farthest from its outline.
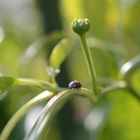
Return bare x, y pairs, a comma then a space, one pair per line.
114, 39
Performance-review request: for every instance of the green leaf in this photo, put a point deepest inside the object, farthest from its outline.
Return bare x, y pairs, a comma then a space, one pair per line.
59, 53
52, 108
129, 68
130, 72
6, 83
43, 96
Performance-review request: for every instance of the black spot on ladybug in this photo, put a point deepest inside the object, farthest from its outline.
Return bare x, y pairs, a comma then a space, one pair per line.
75, 84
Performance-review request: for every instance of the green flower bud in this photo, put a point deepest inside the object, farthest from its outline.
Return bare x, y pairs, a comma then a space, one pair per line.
80, 26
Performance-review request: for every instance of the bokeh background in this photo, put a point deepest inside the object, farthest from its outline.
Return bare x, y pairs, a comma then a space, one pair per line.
114, 38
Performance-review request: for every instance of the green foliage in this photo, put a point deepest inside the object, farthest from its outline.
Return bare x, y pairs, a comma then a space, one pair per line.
128, 69
60, 53
5, 83
114, 77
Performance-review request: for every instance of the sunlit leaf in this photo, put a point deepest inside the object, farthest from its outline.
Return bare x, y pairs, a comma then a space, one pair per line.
5, 83
59, 53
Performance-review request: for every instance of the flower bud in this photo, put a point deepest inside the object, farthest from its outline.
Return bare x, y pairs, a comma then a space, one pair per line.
80, 26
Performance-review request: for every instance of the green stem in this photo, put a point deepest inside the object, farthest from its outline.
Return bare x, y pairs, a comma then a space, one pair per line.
121, 85
112, 88
38, 83
89, 61
22, 111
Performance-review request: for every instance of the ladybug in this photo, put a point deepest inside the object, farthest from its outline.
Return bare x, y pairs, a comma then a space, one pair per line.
74, 84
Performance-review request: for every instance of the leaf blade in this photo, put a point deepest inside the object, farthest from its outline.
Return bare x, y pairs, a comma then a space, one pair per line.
59, 53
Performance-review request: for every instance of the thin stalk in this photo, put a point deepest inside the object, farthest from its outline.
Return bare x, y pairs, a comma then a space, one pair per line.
120, 85
89, 61
38, 83
22, 111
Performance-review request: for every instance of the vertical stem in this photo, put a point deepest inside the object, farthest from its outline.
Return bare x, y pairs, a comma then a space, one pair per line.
90, 64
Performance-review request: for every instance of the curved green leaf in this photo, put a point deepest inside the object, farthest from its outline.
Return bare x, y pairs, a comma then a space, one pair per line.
129, 73
59, 53
45, 95
6, 83
129, 68
52, 107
